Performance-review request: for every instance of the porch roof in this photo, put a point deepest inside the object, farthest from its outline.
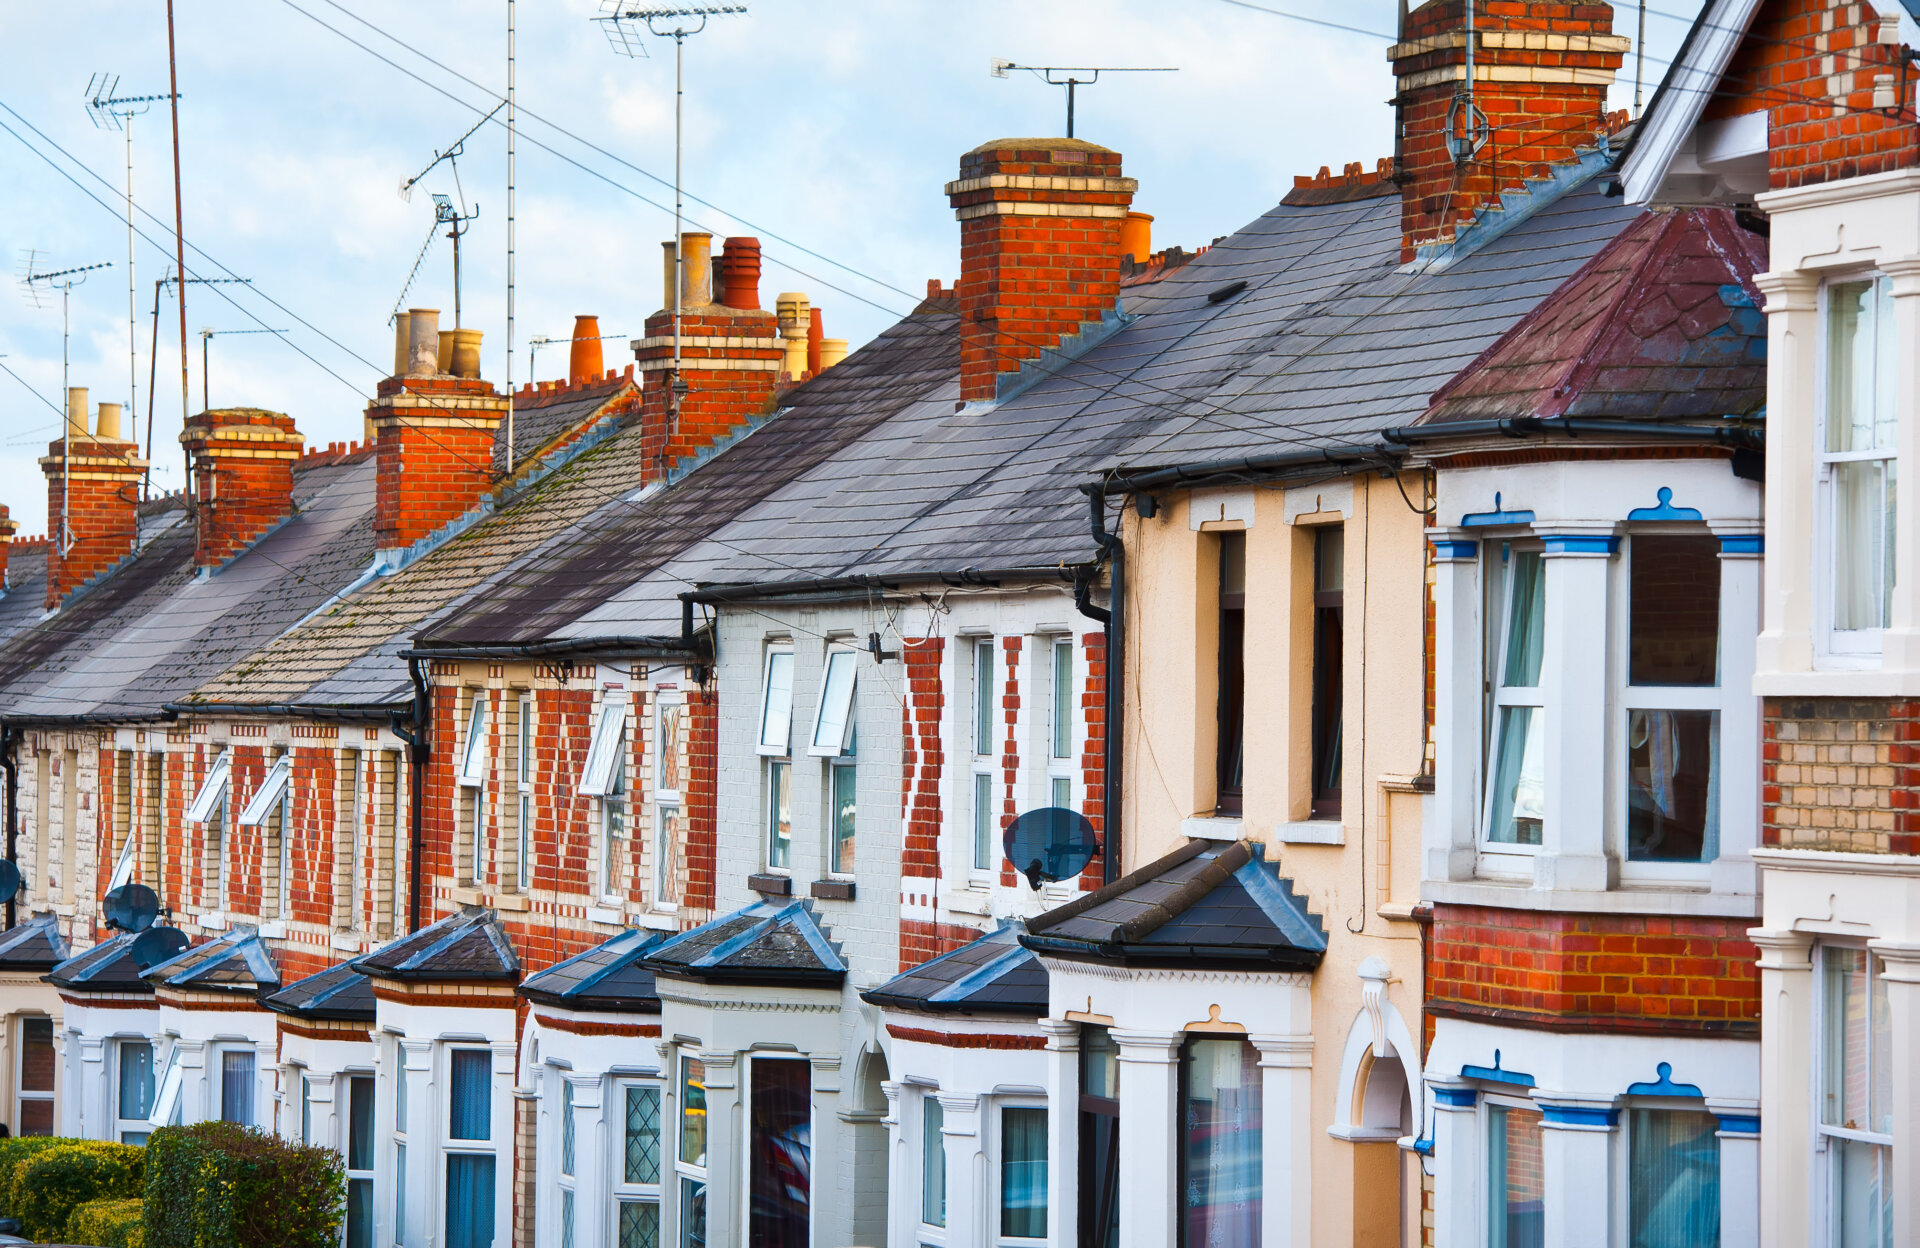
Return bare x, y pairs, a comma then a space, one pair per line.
466, 946
611, 976
235, 961
995, 974
769, 942
339, 992
107, 967
35, 945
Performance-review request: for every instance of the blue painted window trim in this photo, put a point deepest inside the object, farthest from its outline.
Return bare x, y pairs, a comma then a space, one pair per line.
1739, 1124
1499, 515
1444, 548
1581, 544
1664, 508
1580, 1116
1493, 1073
1664, 1085
1457, 1098
1743, 544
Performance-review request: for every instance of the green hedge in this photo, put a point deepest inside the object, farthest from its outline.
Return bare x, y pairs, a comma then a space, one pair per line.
108, 1224
218, 1185
51, 1183
15, 1150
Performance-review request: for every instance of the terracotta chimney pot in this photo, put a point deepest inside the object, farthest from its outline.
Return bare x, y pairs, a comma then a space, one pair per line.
814, 335
76, 412
740, 273
1136, 236
584, 361
423, 342
832, 351
696, 274
106, 427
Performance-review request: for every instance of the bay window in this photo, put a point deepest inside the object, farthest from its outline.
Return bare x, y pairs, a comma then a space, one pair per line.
1673, 721
636, 1169
1516, 1177
34, 1081
133, 1090
1516, 803
1856, 1059
1858, 463
237, 1086
933, 1165
568, 1144
1099, 1168
1220, 1142
690, 1153
469, 1151
400, 1145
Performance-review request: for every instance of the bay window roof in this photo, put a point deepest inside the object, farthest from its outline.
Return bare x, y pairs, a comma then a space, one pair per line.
995, 974
768, 942
34, 945
107, 967
236, 961
463, 947
612, 976
338, 993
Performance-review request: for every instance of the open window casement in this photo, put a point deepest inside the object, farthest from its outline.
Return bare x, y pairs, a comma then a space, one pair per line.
166, 1103
776, 704
123, 869
603, 752
834, 720
267, 799
213, 790
473, 758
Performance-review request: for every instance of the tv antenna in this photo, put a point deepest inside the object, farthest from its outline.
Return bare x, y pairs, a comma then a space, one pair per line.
457, 220
153, 353
111, 111
452, 154
208, 335
64, 280
542, 340
1045, 73
622, 20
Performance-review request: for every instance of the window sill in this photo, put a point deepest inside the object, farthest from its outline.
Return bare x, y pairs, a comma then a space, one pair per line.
1312, 832
1212, 828
1521, 895
606, 914
771, 885
466, 895
515, 902
832, 890
966, 901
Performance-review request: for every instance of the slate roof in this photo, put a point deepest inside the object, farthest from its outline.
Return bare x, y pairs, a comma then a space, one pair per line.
995, 974
464, 947
1330, 341
767, 943
24, 598
152, 630
340, 993
611, 977
107, 967
1664, 323
236, 961
543, 417
1206, 904
35, 945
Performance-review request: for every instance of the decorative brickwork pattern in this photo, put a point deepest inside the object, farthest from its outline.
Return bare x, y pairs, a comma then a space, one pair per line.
1093, 763
922, 756
1039, 250
1593, 972
243, 460
702, 796
1841, 774
1541, 72
1815, 67
1010, 748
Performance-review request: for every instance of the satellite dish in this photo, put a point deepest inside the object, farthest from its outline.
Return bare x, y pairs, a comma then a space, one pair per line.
131, 907
1052, 843
156, 945
9, 879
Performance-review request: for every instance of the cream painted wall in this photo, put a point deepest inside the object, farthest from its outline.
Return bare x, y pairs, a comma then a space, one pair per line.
1372, 873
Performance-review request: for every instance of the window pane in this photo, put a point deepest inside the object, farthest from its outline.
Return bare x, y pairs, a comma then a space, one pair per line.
1673, 792
1516, 1186
844, 808
400, 1190
360, 1123
1220, 1154
779, 814
136, 1078
1520, 783
1673, 1190
1863, 515
1880, 1050
1062, 795
524, 756
525, 827
776, 714
693, 1112
1674, 611
566, 1125
1844, 1051
1860, 359
933, 1161
400, 1093
566, 1217
360, 1213
836, 703
36, 1054
639, 1224
667, 858
1526, 620
983, 682
306, 1110
1099, 1063
236, 1087
1862, 1196
472, 1099
469, 1200
667, 749
643, 1135
779, 1159
1063, 699
693, 1213
473, 765
1023, 1173
983, 821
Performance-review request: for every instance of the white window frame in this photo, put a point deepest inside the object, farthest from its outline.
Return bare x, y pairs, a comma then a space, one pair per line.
16, 1026
848, 765
124, 1126
1834, 647
166, 1095
213, 787
839, 692
1496, 568
682, 1171
449, 1146
217, 1078
123, 866
524, 726
566, 1172
776, 703
609, 724
355, 839
776, 775
472, 783
983, 679
1824, 1158
1060, 768
622, 1192
667, 803
266, 799
996, 1156
613, 816
473, 745
926, 1233
343, 1101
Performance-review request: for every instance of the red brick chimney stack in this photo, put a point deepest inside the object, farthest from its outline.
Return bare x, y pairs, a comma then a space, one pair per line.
433, 436
8, 527
1540, 75
243, 460
1040, 224
585, 362
100, 475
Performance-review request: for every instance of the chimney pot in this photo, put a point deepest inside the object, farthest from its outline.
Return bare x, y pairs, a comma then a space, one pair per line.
814, 333
832, 351
669, 275
740, 273
400, 323
1136, 236
584, 361
443, 353
107, 427
463, 352
76, 412
423, 342
796, 320
696, 274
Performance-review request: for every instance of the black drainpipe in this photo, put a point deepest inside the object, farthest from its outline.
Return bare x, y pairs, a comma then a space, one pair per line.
416, 737
9, 759
1114, 620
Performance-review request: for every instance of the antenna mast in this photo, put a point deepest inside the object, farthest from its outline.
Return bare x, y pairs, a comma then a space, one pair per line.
64, 280
179, 237
1045, 73
621, 22
510, 135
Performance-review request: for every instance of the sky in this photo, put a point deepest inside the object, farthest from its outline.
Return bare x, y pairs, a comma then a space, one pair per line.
826, 129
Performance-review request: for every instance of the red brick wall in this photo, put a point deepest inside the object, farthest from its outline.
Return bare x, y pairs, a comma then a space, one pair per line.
1812, 65
1010, 648
1026, 282
718, 401
1593, 971
702, 797
1093, 763
243, 461
1840, 774
103, 485
1534, 125
921, 941
433, 439
922, 757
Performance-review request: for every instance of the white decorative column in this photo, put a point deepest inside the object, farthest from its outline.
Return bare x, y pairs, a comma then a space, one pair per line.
197, 1101
1448, 839
1576, 1152
1901, 974
963, 1131
506, 1068
1900, 646
422, 1131
1458, 1198
1574, 679
1786, 1075
726, 1182
828, 1209
902, 1192
1793, 332
1149, 1137
1734, 871
1286, 1140
1063, 1132
266, 1073
1739, 1137
84, 1115
591, 1146
326, 1117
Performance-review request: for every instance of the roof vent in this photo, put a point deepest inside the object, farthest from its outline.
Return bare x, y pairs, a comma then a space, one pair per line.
1220, 294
